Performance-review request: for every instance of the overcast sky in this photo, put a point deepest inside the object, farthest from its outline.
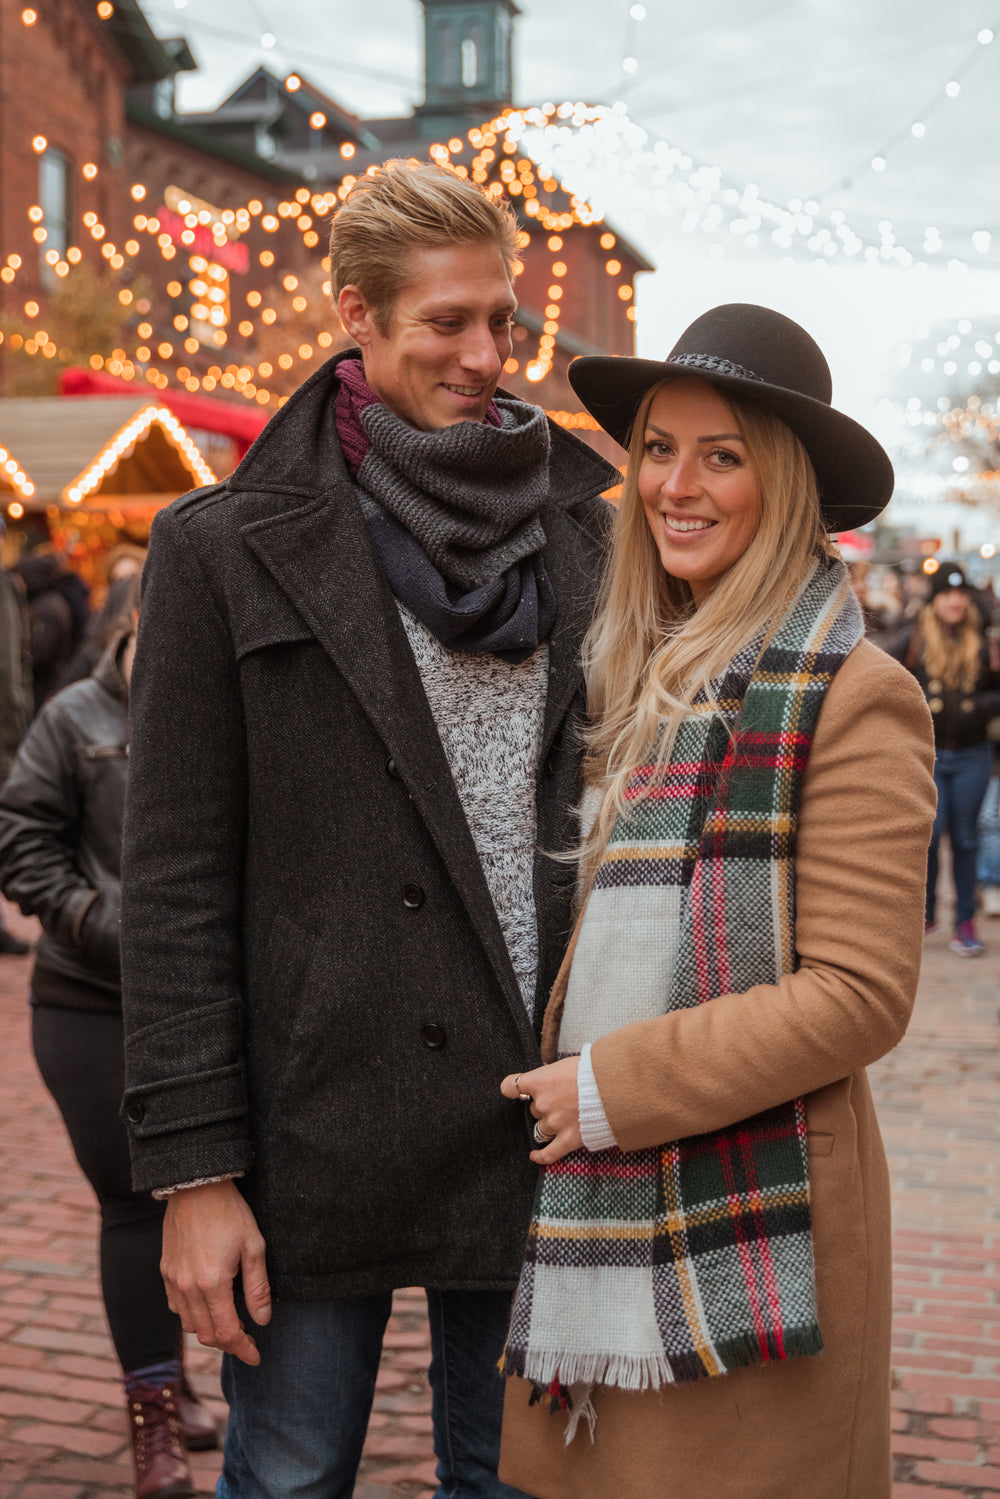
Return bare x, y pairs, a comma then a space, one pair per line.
795, 95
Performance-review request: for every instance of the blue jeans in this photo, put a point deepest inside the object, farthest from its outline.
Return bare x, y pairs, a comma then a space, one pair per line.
297, 1422
988, 828
961, 777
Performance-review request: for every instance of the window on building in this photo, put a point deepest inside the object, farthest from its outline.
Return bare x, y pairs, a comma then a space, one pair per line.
446, 55
54, 200
266, 145
470, 63
163, 99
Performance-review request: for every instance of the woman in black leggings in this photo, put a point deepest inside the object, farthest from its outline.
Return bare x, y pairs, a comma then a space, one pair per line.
60, 860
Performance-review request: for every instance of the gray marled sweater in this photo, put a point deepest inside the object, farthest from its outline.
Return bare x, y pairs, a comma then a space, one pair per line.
489, 715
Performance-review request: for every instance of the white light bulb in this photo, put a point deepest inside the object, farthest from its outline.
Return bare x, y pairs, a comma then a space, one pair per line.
953, 89
268, 39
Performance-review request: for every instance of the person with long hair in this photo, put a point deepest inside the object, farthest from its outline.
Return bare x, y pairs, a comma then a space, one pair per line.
60, 859
705, 1301
958, 669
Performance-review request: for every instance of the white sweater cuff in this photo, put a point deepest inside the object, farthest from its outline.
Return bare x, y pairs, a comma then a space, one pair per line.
594, 1126
200, 1181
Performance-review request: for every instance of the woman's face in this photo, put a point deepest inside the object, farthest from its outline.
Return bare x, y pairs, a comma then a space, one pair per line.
951, 606
697, 485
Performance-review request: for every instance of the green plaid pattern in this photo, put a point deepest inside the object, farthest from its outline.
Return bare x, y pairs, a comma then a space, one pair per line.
686, 1261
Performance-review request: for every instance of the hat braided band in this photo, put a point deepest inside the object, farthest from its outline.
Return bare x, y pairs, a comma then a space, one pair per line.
717, 365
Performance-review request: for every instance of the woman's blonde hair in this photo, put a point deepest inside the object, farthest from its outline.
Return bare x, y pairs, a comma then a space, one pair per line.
952, 655
403, 206
649, 651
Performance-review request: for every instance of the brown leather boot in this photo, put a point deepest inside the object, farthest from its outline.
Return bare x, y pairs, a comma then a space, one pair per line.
197, 1422
161, 1465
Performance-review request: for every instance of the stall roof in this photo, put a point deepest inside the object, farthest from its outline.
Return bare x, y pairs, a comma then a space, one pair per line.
85, 450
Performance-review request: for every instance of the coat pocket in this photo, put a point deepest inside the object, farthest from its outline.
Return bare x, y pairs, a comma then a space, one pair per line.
819, 1142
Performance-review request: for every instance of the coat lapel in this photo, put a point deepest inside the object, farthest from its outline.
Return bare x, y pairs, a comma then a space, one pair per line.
320, 556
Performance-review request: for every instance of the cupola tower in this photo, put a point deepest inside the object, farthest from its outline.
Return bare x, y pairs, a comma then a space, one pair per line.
468, 49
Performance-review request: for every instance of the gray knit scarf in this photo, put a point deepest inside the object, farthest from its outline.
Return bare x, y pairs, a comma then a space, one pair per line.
453, 516
468, 493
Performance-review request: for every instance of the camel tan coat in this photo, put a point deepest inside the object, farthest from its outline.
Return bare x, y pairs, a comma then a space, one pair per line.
814, 1427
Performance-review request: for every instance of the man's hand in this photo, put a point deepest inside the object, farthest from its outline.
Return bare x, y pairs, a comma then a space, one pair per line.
554, 1103
209, 1233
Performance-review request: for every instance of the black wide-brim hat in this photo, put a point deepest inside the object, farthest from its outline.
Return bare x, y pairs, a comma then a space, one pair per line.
761, 356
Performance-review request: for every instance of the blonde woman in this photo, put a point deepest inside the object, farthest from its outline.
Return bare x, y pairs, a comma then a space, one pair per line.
959, 672
705, 1301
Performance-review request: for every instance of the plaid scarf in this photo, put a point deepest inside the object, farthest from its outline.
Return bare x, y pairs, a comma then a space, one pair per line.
685, 1261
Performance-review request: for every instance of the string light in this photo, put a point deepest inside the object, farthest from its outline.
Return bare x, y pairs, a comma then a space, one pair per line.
507, 169
12, 474
916, 128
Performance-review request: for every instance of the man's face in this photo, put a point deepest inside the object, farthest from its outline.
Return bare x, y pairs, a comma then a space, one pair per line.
439, 357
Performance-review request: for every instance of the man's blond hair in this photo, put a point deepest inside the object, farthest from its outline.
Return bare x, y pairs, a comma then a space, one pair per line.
404, 206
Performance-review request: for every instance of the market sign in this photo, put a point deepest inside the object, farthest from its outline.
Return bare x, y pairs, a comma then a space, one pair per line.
200, 240
198, 227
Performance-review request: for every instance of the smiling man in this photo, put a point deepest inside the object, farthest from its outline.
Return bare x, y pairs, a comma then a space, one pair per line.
353, 729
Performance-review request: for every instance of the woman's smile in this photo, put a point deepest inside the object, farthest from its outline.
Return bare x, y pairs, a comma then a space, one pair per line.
689, 527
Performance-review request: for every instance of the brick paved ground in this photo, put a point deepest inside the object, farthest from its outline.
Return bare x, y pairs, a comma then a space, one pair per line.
62, 1434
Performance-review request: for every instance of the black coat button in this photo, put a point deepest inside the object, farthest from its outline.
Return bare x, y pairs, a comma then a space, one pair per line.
135, 1113
413, 897
392, 769
433, 1036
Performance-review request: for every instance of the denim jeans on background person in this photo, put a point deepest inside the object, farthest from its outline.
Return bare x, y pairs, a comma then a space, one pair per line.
297, 1422
988, 828
961, 777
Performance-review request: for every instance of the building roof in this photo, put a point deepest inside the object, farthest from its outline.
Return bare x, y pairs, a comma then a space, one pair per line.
148, 57
99, 447
263, 107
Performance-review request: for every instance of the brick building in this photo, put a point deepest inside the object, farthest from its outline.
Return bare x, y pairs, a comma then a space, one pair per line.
64, 76
207, 231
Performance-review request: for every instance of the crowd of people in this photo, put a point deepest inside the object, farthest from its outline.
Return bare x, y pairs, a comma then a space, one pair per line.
466, 885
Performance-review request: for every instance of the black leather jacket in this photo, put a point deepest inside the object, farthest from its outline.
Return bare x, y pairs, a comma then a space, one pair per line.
60, 837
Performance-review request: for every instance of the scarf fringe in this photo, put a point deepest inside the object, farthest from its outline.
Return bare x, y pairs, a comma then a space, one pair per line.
637, 1372
627, 1371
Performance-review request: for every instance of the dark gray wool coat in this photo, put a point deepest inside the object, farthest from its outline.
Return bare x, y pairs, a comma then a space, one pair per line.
316, 987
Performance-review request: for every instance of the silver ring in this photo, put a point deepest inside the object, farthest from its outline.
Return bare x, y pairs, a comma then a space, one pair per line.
539, 1138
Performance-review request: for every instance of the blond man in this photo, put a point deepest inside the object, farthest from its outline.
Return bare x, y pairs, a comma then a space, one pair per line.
354, 707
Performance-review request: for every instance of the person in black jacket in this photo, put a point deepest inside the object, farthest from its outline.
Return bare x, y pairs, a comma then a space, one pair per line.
58, 613
958, 668
15, 697
60, 860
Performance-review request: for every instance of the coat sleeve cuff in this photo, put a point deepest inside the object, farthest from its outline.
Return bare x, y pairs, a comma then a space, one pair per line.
595, 1130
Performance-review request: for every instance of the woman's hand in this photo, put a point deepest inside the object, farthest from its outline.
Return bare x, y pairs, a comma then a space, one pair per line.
554, 1103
